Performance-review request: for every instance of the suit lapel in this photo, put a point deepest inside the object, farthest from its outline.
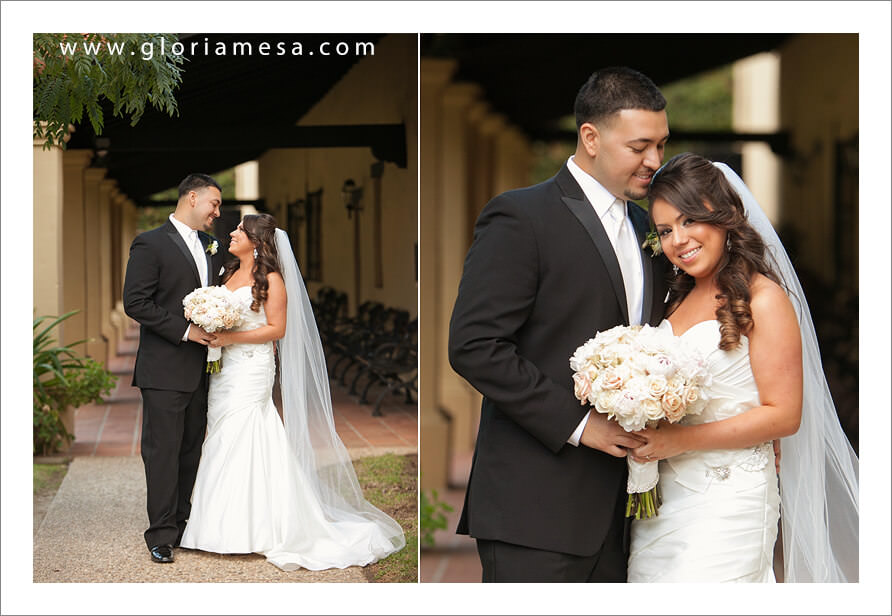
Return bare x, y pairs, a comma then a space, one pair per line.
642, 225
575, 200
177, 239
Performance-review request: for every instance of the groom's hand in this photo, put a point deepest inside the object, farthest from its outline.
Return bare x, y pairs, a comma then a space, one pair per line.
196, 334
608, 436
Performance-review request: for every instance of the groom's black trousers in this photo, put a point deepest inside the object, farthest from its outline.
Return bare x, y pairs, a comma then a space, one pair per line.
506, 562
173, 429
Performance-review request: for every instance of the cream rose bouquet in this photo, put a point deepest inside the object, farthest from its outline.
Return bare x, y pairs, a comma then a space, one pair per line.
639, 375
212, 309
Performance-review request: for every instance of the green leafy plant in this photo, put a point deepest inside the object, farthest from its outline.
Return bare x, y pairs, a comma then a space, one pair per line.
74, 72
431, 516
62, 378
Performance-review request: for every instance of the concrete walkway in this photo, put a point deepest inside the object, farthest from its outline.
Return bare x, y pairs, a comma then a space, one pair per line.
93, 529
92, 532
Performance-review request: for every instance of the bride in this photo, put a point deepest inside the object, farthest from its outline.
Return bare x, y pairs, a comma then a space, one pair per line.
737, 299
288, 491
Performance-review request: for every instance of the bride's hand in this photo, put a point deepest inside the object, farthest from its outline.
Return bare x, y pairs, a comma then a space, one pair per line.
664, 441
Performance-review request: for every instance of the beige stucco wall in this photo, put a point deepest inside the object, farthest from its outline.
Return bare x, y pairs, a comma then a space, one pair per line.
379, 89
819, 106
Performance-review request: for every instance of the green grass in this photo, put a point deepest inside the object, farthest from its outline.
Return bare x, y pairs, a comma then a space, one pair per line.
48, 477
390, 483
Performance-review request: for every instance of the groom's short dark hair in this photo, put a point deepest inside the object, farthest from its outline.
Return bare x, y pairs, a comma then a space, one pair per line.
194, 181
613, 89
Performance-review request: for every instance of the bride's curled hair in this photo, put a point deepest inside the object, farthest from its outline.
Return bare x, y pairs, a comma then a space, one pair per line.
699, 190
261, 231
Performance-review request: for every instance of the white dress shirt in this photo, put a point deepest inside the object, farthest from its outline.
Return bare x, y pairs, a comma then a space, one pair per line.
189, 236
601, 200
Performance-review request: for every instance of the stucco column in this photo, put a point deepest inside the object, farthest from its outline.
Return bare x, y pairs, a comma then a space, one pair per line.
115, 212
515, 152
247, 180
74, 245
49, 271
496, 128
108, 191
487, 183
119, 204
435, 74
48, 183
97, 346
479, 189
756, 108
454, 395
129, 215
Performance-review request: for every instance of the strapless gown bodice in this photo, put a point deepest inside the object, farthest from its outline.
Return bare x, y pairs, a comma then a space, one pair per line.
718, 520
250, 320
732, 391
244, 297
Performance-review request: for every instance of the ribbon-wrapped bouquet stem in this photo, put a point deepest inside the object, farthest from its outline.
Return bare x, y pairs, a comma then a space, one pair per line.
640, 375
212, 309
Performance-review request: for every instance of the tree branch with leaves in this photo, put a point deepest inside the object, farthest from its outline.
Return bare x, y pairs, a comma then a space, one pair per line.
73, 73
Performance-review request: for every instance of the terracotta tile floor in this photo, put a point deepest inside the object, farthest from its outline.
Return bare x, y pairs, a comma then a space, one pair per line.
113, 428
454, 557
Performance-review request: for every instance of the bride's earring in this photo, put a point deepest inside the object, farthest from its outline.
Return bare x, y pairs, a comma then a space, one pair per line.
728, 242
675, 269
255, 253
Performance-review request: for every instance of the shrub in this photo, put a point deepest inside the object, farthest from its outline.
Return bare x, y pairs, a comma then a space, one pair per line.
62, 378
431, 516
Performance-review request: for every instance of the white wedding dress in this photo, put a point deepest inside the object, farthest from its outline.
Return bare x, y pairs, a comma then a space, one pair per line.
251, 493
719, 517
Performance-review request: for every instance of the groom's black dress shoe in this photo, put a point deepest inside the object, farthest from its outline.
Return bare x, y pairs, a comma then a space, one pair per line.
162, 553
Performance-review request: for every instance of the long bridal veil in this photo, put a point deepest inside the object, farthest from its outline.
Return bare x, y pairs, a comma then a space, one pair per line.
307, 412
819, 468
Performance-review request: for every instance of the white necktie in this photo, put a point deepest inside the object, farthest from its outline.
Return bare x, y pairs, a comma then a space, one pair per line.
200, 261
629, 257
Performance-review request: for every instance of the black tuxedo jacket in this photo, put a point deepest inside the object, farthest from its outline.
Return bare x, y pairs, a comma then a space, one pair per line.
160, 273
540, 278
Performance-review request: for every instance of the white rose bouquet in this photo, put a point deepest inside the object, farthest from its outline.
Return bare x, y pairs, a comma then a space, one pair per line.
639, 375
212, 309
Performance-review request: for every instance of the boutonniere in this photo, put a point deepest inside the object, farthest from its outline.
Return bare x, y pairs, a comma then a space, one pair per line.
212, 248
652, 241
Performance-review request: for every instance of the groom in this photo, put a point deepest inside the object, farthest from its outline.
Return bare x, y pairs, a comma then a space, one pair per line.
551, 265
165, 265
